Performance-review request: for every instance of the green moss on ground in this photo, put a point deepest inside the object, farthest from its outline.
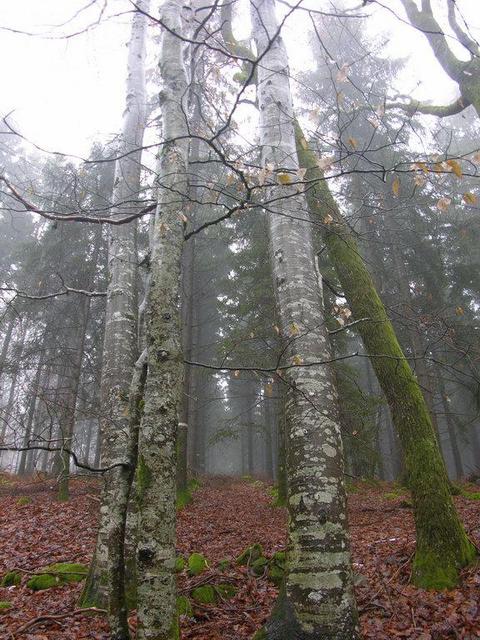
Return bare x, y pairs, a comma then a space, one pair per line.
259, 566
5, 605
184, 606
250, 554
204, 594
224, 564
11, 579
276, 567
179, 564
57, 574
197, 563
225, 590
24, 500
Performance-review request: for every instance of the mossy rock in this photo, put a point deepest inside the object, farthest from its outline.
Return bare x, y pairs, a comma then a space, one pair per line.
11, 579
184, 606
259, 566
205, 594
225, 590
179, 564
251, 553
43, 581
473, 495
224, 564
197, 563
276, 567
58, 574
5, 605
24, 500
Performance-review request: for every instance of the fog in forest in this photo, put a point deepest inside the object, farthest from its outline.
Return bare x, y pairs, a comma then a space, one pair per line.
240, 239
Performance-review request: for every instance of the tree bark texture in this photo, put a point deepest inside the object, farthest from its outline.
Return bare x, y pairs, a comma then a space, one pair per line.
317, 598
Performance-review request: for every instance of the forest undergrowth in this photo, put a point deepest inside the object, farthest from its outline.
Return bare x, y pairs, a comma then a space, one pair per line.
224, 518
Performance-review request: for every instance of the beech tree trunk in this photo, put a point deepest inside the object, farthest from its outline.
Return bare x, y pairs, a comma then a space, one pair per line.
316, 600
156, 475
442, 545
120, 343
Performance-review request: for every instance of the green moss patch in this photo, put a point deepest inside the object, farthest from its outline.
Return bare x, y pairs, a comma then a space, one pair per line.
276, 567
57, 574
11, 579
179, 564
251, 553
204, 594
225, 590
24, 500
5, 605
259, 566
224, 564
184, 606
197, 563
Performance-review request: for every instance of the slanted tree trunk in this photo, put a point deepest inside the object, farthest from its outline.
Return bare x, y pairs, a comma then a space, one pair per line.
316, 600
156, 475
120, 345
442, 545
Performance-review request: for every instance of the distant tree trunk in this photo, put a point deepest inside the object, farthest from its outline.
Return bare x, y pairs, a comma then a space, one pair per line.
71, 382
317, 598
442, 545
33, 393
6, 343
120, 345
451, 427
156, 476
7, 411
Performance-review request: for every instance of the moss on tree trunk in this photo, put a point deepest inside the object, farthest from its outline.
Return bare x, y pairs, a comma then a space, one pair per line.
442, 545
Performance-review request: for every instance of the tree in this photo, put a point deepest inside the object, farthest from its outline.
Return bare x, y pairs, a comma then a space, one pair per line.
466, 73
106, 579
156, 474
317, 597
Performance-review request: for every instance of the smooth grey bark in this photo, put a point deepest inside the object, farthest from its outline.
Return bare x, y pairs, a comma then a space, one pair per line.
156, 475
317, 598
120, 342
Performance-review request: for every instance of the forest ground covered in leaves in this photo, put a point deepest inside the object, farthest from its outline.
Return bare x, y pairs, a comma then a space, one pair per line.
225, 517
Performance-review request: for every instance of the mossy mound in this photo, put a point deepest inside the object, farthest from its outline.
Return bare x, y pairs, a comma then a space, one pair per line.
179, 564
225, 590
57, 574
197, 563
224, 564
24, 500
259, 566
472, 495
251, 553
209, 594
205, 594
5, 605
276, 567
11, 579
184, 606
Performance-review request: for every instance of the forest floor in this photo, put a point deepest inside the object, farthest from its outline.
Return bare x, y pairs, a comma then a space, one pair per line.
225, 517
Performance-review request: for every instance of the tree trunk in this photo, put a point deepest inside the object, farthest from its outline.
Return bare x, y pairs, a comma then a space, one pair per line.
156, 476
317, 598
442, 545
120, 342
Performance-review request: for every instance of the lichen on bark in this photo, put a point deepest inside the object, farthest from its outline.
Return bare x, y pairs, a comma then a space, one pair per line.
442, 545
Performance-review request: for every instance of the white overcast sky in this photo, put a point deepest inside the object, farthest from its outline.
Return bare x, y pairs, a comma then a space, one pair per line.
66, 93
